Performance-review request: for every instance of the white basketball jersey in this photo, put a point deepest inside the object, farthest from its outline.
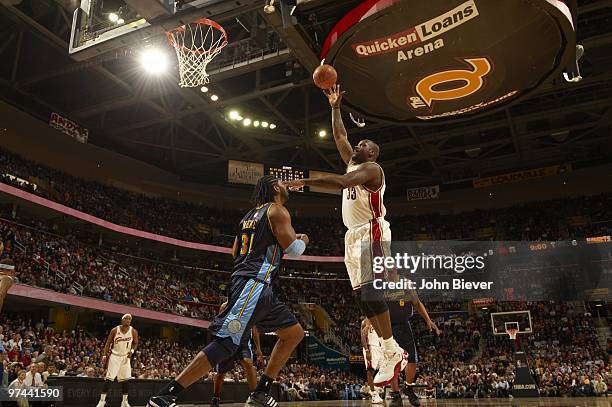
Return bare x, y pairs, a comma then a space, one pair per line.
122, 342
360, 205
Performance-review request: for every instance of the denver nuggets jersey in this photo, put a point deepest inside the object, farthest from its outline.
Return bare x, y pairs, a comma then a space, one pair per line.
360, 205
260, 254
400, 312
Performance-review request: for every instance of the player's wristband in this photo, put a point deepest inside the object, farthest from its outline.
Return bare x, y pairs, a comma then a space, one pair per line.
296, 248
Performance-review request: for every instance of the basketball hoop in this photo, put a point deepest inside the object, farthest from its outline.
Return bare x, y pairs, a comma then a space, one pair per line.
196, 44
512, 332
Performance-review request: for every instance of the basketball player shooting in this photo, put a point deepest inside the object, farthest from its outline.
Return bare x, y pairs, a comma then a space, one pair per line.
124, 340
244, 355
363, 213
264, 234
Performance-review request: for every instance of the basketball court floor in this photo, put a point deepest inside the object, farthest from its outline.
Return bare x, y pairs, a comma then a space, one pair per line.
522, 402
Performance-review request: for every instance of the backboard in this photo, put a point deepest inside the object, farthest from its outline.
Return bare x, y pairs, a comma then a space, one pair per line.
101, 26
502, 321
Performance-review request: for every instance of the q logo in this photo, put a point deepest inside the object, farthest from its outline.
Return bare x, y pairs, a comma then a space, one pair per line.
472, 81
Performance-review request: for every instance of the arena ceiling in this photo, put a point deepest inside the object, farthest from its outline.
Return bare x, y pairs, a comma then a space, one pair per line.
184, 132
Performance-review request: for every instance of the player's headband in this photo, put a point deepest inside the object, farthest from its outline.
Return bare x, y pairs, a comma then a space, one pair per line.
128, 316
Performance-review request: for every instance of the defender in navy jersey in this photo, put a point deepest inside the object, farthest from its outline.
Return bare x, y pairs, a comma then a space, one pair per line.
265, 234
400, 313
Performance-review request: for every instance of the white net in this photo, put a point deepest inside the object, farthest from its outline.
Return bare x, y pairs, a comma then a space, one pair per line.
512, 333
196, 44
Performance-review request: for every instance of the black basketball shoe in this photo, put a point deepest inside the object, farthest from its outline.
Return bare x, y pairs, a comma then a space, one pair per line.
162, 401
214, 402
260, 398
414, 399
396, 400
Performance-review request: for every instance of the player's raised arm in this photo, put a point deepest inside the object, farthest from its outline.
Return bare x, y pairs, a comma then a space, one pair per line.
280, 222
334, 95
367, 175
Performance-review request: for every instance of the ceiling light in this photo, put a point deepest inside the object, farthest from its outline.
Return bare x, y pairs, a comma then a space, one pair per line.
113, 17
120, 21
153, 60
264, 125
322, 133
272, 126
256, 123
204, 89
234, 115
246, 122
214, 98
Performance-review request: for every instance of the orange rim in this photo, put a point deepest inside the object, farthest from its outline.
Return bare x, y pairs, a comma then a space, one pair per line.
202, 21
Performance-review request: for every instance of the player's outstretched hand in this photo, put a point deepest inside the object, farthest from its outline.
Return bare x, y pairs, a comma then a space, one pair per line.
433, 327
294, 185
303, 236
334, 95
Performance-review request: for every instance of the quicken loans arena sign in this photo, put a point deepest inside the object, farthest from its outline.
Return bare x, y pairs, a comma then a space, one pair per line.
414, 61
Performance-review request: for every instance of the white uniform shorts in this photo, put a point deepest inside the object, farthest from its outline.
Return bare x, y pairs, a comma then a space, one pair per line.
361, 245
119, 367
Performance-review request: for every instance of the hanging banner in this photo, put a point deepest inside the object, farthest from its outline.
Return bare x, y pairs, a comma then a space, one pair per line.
321, 355
69, 127
242, 172
423, 193
522, 175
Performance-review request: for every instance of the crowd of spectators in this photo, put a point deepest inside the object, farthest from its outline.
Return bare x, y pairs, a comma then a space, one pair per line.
66, 265
564, 354
551, 220
35, 350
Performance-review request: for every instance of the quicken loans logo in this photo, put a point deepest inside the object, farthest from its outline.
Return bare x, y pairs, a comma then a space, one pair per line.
423, 32
447, 21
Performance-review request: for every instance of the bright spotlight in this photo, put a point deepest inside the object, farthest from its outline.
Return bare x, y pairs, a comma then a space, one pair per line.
153, 61
256, 123
113, 17
120, 21
214, 98
234, 115
239, 117
246, 122
272, 126
322, 133
204, 89
264, 125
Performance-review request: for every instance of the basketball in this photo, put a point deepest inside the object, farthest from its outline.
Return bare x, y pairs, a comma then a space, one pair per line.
325, 76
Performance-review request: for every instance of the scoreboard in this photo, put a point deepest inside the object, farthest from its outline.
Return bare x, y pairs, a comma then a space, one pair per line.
243, 172
286, 173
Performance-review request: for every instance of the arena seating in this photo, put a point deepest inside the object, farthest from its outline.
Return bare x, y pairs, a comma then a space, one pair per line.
553, 220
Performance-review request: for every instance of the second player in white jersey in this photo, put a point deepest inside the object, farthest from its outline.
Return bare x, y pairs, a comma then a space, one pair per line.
118, 349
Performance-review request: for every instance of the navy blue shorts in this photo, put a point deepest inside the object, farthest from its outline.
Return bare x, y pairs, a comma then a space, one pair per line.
404, 337
251, 302
243, 352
